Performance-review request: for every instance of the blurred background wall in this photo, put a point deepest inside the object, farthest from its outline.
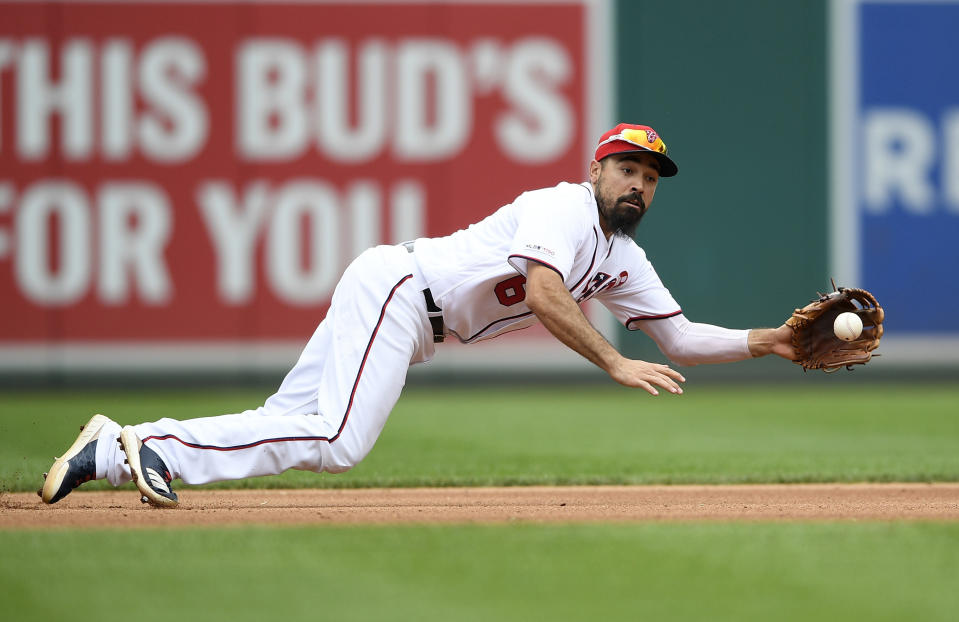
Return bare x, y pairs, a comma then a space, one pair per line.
739, 89
817, 140
181, 185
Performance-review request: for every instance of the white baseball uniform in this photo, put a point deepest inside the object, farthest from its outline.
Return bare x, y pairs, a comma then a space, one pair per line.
334, 402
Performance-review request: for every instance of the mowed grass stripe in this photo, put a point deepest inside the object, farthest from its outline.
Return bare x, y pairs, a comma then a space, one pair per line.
875, 571
797, 432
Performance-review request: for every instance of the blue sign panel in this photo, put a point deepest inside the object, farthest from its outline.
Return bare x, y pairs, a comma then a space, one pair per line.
907, 151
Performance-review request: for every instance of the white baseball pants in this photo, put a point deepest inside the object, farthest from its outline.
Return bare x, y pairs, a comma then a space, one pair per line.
332, 405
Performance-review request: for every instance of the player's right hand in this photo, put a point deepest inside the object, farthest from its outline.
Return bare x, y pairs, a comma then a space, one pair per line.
647, 376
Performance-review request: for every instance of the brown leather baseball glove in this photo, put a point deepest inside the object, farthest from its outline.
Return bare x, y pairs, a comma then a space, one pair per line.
814, 342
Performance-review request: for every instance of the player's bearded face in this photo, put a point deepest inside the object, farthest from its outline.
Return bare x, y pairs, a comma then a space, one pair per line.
621, 217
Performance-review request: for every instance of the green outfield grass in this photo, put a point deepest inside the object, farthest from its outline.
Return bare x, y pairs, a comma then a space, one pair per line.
783, 572
560, 435
655, 571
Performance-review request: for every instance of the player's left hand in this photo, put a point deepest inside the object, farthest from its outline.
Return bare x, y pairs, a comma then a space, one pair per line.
815, 342
782, 343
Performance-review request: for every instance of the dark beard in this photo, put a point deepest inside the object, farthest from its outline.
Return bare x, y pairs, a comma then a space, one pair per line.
622, 219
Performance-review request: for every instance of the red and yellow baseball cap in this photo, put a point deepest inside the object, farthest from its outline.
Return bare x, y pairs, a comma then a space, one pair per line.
628, 138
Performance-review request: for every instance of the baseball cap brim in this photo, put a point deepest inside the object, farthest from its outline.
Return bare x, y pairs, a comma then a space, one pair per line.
667, 168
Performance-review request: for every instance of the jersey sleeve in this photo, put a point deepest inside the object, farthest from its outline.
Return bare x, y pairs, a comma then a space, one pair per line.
550, 227
638, 293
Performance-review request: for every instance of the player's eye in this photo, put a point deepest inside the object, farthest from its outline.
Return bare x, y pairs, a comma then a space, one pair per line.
627, 170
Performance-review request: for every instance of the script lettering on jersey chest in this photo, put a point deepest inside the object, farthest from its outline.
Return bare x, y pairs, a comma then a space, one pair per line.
601, 282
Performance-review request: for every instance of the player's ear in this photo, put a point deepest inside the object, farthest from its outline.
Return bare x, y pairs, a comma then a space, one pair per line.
594, 169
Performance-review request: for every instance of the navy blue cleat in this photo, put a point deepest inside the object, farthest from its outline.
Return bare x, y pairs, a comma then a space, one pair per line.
77, 465
151, 476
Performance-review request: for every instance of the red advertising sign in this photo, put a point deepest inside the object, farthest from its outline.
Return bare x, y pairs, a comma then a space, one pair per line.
205, 171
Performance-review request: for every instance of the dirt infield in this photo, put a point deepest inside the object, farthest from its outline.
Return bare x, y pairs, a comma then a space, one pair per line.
491, 505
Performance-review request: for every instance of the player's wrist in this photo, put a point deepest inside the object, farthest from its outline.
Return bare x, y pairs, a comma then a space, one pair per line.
760, 341
616, 365
763, 341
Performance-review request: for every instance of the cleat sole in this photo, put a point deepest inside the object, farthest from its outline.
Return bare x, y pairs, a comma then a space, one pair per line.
131, 447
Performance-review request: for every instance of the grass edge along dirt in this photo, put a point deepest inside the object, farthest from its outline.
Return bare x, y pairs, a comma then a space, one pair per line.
570, 435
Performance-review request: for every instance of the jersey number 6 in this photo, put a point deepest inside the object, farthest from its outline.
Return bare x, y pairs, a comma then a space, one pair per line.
511, 291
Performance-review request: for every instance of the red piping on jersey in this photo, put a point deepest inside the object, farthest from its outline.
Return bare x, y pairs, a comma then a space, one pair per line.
555, 269
591, 263
541, 262
609, 251
494, 322
346, 415
652, 317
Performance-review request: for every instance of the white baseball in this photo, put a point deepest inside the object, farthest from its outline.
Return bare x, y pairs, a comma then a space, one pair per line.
847, 326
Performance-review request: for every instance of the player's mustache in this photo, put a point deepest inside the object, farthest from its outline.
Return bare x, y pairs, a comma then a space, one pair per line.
636, 199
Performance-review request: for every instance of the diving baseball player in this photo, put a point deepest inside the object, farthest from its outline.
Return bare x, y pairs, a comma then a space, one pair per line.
534, 260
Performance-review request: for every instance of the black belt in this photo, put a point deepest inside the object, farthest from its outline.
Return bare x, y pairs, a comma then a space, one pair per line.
435, 313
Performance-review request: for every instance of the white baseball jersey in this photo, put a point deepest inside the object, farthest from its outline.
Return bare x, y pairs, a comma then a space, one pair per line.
332, 405
477, 275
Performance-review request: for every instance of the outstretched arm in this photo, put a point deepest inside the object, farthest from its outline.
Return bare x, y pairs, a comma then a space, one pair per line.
548, 298
693, 343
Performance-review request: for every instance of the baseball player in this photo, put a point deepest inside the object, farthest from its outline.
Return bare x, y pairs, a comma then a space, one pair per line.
534, 260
